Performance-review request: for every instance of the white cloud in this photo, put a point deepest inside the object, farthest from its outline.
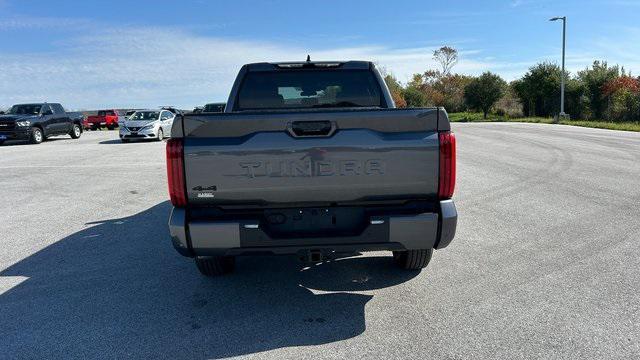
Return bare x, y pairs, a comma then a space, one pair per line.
151, 66
34, 22
620, 48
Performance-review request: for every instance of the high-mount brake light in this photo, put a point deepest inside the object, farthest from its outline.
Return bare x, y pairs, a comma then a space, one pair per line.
307, 65
447, 173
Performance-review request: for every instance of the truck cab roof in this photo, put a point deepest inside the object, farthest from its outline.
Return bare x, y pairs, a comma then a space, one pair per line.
37, 103
271, 66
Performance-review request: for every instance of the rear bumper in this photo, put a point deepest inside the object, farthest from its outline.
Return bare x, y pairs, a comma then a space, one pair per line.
406, 232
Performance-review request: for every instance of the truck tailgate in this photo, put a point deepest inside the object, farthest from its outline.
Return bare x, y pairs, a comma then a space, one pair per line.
263, 158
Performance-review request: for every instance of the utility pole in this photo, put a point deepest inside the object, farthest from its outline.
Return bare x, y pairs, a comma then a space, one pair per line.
562, 77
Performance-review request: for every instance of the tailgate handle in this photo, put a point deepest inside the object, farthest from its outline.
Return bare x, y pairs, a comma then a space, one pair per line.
311, 128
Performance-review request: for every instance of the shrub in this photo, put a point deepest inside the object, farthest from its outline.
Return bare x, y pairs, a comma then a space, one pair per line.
414, 97
594, 80
484, 91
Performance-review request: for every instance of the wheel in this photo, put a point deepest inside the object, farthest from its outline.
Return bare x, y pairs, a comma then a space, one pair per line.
215, 265
94, 128
413, 259
36, 135
110, 127
160, 135
76, 131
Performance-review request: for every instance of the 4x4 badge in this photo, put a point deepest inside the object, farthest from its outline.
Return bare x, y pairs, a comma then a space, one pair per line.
205, 188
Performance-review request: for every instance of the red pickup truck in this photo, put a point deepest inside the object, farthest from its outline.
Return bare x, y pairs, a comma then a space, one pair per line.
107, 118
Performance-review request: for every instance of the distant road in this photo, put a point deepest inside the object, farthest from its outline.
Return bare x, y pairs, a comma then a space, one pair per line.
546, 263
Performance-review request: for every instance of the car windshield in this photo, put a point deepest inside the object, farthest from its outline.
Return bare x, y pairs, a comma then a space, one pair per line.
105, 113
28, 109
301, 89
145, 115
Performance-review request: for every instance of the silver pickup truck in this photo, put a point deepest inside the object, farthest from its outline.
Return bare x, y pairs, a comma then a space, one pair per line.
311, 159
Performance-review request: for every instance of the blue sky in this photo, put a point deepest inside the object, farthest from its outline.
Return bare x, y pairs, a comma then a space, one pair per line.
94, 54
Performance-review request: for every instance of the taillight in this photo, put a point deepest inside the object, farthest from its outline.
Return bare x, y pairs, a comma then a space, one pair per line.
447, 177
175, 172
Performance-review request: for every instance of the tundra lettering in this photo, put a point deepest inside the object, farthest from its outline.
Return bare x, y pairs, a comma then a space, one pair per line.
309, 168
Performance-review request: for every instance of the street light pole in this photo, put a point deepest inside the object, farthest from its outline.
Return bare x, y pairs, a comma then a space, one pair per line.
562, 77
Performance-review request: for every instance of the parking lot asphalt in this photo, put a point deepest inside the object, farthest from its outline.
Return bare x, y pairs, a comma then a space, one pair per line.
545, 264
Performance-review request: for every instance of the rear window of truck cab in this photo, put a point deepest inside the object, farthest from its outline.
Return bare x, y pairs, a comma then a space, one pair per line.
303, 89
213, 108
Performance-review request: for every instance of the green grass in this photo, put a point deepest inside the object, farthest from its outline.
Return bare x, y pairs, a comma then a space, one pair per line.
626, 126
599, 124
475, 117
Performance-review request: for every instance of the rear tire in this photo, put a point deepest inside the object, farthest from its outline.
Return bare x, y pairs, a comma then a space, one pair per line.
413, 259
75, 131
215, 265
36, 136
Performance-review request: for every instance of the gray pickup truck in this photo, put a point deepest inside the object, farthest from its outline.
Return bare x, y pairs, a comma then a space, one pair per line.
311, 159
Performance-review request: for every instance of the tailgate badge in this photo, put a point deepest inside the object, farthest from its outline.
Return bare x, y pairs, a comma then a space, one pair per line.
205, 192
205, 188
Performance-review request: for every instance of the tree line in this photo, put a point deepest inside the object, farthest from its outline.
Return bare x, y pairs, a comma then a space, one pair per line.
599, 92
